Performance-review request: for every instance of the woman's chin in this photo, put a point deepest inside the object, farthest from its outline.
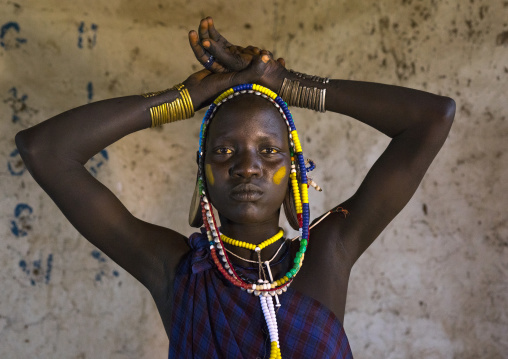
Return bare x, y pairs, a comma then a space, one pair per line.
248, 215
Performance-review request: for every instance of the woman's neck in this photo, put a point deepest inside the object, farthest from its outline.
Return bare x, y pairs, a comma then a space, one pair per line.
254, 233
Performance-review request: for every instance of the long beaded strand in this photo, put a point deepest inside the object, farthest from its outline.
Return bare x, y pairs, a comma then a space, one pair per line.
298, 172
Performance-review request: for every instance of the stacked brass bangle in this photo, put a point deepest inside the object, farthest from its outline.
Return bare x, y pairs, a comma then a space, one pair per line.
324, 80
301, 96
179, 109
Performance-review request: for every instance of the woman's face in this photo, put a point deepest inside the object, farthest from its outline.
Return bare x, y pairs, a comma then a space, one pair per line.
247, 160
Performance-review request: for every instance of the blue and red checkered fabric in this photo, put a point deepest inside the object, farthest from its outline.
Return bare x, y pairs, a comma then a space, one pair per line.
214, 319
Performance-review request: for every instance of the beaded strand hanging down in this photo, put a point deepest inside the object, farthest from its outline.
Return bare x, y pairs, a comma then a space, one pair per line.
299, 186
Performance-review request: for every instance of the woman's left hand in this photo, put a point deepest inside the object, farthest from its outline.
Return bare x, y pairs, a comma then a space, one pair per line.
233, 58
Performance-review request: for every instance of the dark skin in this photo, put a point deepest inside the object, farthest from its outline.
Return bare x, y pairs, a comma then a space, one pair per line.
55, 151
247, 144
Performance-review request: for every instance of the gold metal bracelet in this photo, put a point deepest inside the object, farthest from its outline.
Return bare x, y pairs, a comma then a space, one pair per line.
179, 109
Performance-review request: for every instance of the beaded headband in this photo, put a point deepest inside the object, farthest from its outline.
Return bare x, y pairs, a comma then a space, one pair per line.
299, 186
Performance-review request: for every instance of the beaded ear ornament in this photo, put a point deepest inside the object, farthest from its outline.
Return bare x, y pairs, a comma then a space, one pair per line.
299, 187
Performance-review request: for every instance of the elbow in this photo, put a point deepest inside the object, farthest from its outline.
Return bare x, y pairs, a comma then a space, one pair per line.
448, 110
27, 148
22, 143
444, 111
439, 116
439, 121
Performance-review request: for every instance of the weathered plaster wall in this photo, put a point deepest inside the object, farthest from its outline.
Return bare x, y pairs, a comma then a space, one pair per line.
433, 285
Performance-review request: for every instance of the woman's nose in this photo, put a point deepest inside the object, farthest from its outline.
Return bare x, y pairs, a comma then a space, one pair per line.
247, 164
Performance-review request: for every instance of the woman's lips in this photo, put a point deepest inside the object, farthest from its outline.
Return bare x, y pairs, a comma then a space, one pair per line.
246, 192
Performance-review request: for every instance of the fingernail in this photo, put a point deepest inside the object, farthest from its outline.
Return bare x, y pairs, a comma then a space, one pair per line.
265, 58
206, 43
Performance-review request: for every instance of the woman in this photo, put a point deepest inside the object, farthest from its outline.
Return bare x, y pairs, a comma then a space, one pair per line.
245, 161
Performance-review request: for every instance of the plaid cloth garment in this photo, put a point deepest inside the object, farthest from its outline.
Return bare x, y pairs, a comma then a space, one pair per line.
214, 319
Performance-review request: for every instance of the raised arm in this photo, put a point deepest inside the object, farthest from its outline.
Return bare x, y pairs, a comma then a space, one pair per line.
418, 123
55, 151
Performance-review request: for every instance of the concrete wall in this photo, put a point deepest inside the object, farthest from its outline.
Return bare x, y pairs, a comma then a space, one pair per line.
433, 285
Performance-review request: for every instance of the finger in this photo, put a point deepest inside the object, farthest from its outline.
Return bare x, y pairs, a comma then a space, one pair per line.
203, 73
269, 53
256, 69
266, 53
229, 59
201, 54
236, 49
196, 47
213, 33
253, 50
281, 61
203, 30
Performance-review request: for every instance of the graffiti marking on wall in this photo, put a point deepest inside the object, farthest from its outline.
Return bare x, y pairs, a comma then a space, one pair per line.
89, 90
15, 164
9, 36
104, 271
87, 35
96, 162
23, 217
38, 271
20, 109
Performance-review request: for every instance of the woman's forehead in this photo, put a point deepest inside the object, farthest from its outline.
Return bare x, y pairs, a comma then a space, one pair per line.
248, 114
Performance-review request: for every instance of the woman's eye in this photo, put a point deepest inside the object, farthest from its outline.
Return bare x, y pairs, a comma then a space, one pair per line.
270, 150
224, 151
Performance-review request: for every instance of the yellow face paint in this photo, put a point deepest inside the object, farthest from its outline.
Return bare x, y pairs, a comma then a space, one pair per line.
279, 175
209, 175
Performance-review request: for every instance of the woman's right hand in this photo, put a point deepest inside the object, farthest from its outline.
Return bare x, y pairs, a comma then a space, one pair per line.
204, 86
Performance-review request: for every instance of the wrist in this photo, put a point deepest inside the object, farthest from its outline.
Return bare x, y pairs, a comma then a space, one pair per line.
196, 94
169, 105
274, 81
305, 91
